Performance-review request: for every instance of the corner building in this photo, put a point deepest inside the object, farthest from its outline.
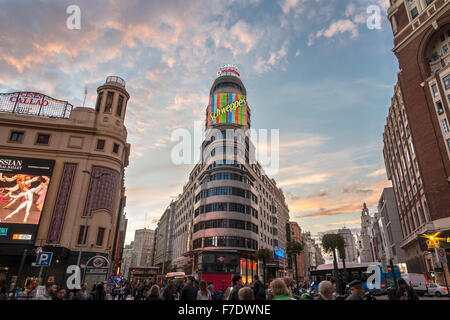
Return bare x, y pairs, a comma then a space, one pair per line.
46, 145
229, 208
417, 135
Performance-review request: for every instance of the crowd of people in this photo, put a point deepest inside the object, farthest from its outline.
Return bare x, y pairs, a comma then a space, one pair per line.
192, 289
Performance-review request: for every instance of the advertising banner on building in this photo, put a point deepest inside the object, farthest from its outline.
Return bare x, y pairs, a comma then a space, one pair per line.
227, 108
23, 189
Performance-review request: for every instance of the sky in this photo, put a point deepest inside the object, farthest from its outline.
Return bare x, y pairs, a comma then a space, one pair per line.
312, 68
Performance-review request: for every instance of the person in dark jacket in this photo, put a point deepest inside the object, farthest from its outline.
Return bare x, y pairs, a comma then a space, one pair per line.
405, 292
237, 285
189, 292
357, 290
154, 293
100, 293
259, 291
170, 291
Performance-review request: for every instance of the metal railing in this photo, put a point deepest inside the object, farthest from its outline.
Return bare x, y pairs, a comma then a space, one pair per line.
33, 103
115, 79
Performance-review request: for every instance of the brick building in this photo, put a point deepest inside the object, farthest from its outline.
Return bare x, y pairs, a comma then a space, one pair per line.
417, 135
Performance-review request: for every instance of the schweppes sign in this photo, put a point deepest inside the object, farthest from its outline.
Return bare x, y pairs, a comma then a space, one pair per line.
227, 108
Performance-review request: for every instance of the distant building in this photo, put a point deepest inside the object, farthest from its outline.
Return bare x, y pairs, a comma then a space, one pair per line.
143, 247
164, 236
128, 260
296, 236
312, 254
391, 231
365, 254
350, 243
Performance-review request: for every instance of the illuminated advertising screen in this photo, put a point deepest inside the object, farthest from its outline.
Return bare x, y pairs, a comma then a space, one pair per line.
227, 108
23, 188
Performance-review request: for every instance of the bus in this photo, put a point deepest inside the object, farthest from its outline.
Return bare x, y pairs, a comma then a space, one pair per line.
356, 271
177, 277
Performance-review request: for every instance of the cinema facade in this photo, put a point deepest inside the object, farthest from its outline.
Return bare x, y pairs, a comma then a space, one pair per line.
46, 199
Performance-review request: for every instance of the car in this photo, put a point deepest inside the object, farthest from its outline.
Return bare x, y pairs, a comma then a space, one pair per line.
417, 281
437, 290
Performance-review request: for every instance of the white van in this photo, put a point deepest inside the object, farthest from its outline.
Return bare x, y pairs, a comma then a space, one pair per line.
417, 281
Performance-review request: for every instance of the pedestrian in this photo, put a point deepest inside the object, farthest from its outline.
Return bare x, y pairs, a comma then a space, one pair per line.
237, 285
3, 293
211, 287
60, 295
100, 293
154, 293
170, 291
357, 290
279, 290
203, 293
50, 291
75, 295
189, 292
259, 291
246, 293
84, 292
325, 291
126, 291
405, 292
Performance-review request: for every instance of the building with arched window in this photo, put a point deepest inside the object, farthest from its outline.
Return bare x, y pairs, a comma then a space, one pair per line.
417, 136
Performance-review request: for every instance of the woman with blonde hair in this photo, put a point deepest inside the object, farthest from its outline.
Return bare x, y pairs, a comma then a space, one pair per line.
154, 293
279, 290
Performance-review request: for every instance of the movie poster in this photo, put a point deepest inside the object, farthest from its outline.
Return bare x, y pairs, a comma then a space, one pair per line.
24, 183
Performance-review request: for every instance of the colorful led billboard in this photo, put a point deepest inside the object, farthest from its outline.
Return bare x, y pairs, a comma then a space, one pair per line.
23, 188
227, 108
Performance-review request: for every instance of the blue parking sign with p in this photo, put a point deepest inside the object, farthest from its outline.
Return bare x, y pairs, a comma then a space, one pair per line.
44, 259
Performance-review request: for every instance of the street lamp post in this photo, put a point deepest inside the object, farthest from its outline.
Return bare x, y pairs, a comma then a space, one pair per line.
88, 212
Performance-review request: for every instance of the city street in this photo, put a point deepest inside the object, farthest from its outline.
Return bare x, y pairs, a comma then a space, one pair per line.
385, 297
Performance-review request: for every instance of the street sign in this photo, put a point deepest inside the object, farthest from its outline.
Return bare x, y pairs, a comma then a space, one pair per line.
441, 255
44, 259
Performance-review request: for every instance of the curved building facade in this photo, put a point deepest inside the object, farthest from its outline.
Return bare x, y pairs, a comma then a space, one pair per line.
69, 209
229, 208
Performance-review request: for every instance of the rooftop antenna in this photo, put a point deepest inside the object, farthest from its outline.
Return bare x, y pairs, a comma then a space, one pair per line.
85, 94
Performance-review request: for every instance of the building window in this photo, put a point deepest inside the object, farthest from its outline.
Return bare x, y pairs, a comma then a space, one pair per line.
100, 234
120, 106
439, 107
16, 136
99, 102
109, 101
447, 82
435, 90
80, 235
444, 125
100, 144
43, 139
116, 148
414, 12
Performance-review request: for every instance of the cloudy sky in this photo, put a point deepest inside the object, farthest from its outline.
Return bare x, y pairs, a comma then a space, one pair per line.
312, 69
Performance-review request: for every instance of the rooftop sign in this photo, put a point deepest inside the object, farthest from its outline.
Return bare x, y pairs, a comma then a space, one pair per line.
228, 70
34, 103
